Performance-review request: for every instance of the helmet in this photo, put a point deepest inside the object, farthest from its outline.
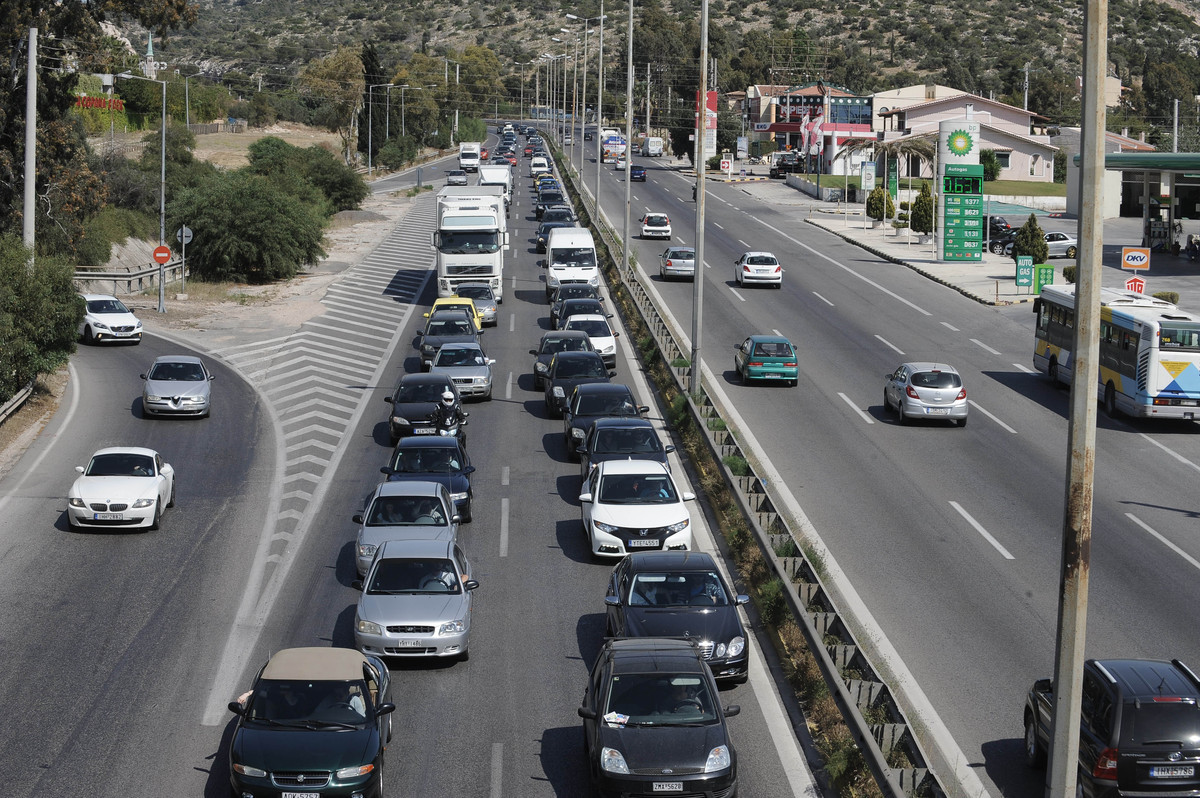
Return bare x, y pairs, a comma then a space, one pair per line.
448, 397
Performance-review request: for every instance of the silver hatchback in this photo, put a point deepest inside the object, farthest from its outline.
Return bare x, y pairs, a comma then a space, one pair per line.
926, 390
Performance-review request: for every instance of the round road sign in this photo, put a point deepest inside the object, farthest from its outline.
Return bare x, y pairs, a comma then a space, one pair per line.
162, 254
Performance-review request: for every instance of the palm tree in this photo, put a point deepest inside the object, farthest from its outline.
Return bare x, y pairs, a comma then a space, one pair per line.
921, 147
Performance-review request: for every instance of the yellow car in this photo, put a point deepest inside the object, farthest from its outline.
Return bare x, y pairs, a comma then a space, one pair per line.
459, 302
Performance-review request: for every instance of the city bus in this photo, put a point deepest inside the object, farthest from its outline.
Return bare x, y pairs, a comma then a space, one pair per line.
1149, 351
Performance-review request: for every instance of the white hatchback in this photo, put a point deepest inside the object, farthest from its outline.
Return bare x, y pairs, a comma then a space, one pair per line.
634, 505
758, 268
107, 319
656, 225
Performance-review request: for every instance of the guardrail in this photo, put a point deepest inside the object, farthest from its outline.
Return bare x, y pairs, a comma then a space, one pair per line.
134, 282
856, 684
16, 402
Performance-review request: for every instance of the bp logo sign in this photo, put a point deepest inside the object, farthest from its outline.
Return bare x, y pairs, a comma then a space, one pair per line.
960, 143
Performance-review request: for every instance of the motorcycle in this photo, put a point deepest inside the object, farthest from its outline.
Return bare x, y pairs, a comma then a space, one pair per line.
450, 423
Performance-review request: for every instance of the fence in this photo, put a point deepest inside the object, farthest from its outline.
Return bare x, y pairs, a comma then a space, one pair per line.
89, 281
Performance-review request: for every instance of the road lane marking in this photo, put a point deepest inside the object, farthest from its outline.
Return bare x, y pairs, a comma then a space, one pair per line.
1176, 455
719, 227
823, 299
950, 326
975, 405
512, 320
736, 294
743, 243
979, 528
890, 345
497, 770
777, 332
1025, 369
514, 281
857, 409
504, 527
508, 387
1161, 539
984, 346
504, 476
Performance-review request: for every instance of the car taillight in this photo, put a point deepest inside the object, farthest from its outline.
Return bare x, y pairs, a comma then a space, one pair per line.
909, 390
669, 263
752, 363
1106, 765
745, 267
778, 269
961, 395
790, 365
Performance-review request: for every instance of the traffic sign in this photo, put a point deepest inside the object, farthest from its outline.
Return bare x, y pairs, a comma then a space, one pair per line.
184, 235
1135, 284
1135, 258
726, 165
162, 254
1025, 270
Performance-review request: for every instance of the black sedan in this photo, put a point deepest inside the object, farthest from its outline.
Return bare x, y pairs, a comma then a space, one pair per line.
559, 213
435, 458
546, 199
316, 722
568, 369
589, 402
543, 232
571, 291
551, 344
653, 723
679, 594
413, 400
576, 305
620, 438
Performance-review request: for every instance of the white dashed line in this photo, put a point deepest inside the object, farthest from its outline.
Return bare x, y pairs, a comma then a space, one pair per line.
973, 404
719, 227
950, 326
504, 527
508, 387
504, 476
777, 332
1025, 369
823, 299
857, 409
1176, 455
743, 243
890, 345
512, 319
497, 770
1189, 559
736, 294
978, 528
984, 346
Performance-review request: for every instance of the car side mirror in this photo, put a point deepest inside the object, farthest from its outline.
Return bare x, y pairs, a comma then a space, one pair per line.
236, 708
491, 361
465, 414
612, 601
212, 377
387, 399
732, 710
1043, 685
141, 376
608, 315
357, 584
386, 470
471, 584
356, 519
385, 709
612, 373
585, 498
670, 447
687, 497
79, 469
469, 470
643, 408
533, 351
456, 519
426, 315
742, 598
586, 714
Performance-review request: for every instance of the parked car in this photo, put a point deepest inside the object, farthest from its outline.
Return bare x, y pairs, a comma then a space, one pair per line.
620, 438
416, 601
998, 243
413, 400
121, 486
926, 390
568, 369
575, 306
758, 268
656, 225
445, 327
590, 402
456, 177
634, 505
771, 358
105, 318
653, 722
177, 385
435, 458
551, 344
679, 594
317, 721
1139, 728
484, 299
677, 262
1060, 245
588, 136
637, 173
567, 291
604, 337
403, 510
468, 367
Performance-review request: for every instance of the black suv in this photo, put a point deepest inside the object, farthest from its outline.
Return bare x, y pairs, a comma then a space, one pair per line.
1139, 728
653, 723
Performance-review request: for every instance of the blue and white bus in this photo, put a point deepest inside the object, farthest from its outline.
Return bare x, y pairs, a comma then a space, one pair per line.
1149, 351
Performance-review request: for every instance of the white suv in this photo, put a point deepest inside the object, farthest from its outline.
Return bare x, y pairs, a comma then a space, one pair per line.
107, 319
634, 505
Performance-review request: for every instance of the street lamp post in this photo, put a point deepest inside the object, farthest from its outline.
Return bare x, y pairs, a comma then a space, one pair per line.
387, 116
371, 120
599, 94
162, 189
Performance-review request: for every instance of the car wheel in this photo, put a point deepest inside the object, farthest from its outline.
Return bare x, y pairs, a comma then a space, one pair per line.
466, 513
962, 422
779, 284
1071, 252
154, 522
88, 338
997, 249
1035, 755
900, 413
171, 501
1110, 401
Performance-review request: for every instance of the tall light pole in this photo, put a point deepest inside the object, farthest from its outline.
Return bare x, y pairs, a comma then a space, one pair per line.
446, 81
701, 130
371, 120
628, 135
387, 114
162, 189
599, 107
403, 131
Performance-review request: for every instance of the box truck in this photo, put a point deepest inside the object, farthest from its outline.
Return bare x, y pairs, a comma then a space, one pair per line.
468, 156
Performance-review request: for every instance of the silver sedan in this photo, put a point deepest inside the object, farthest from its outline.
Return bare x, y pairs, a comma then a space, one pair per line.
467, 366
926, 390
177, 385
677, 262
1060, 245
484, 298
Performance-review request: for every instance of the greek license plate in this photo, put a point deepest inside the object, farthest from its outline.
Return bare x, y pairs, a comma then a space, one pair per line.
1172, 771
409, 643
641, 543
668, 786
299, 794
108, 517
773, 376
936, 411
423, 430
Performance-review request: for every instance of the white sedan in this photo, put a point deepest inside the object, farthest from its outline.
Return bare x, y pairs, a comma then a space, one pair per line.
121, 487
758, 268
634, 505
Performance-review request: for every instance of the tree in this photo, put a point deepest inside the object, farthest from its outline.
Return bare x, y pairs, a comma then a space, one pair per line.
922, 211
990, 164
1031, 240
880, 205
372, 117
337, 79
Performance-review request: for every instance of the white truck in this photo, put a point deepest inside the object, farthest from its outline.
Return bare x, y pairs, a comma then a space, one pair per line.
652, 147
611, 148
471, 237
468, 156
570, 258
498, 175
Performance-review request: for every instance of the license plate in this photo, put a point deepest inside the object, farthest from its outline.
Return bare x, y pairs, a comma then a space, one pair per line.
409, 643
299, 794
108, 517
773, 376
1188, 402
641, 543
667, 786
1172, 771
423, 430
936, 411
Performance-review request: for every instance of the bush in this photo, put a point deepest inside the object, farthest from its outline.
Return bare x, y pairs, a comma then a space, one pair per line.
880, 205
1031, 241
922, 211
1168, 296
772, 605
990, 164
1069, 273
737, 465
398, 152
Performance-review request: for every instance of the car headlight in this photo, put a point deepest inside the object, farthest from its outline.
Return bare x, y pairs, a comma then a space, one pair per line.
673, 528
246, 770
195, 400
140, 503
76, 502
595, 281
366, 549
558, 392
452, 628
481, 380
398, 420
612, 761
137, 326
608, 350
736, 646
719, 651
100, 324
458, 497
154, 398
718, 759
368, 628
541, 368
603, 527
354, 772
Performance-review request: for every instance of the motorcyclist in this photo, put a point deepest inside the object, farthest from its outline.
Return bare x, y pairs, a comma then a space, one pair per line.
449, 413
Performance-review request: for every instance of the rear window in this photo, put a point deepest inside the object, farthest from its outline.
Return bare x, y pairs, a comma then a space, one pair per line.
1176, 723
936, 379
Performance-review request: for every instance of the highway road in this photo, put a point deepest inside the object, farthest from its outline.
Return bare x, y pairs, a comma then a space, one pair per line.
951, 537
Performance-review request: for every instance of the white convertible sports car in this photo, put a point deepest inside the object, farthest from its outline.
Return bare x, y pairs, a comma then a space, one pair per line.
123, 487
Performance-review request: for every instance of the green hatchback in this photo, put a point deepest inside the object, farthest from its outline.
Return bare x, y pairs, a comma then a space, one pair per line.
770, 358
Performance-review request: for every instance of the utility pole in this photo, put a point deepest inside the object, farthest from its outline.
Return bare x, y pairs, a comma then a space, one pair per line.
599, 110
27, 225
628, 138
647, 99
701, 128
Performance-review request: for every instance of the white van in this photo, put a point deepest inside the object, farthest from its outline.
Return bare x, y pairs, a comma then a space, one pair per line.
538, 165
570, 258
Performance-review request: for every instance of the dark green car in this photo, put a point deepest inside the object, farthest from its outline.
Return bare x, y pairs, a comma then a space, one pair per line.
770, 358
316, 723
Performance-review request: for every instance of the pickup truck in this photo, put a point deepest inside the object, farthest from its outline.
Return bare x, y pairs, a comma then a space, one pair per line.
785, 163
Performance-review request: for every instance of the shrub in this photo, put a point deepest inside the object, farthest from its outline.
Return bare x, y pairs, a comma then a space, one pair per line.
771, 603
922, 211
880, 205
991, 166
1069, 273
1031, 241
1168, 296
737, 465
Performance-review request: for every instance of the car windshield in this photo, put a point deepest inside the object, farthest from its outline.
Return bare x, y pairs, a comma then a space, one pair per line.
456, 356
451, 327
576, 291
414, 575
121, 464
553, 345
581, 305
681, 589
658, 699
421, 392
595, 328
773, 349
761, 260
439, 460
550, 197
1170, 722
106, 306
604, 405
638, 440
580, 367
306, 704
935, 379
556, 216
406, 511
637, 489
177, 372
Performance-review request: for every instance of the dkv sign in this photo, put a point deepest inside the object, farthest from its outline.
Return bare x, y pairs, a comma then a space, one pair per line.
1135, 258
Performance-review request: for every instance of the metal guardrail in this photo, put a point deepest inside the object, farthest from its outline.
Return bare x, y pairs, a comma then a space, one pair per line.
16, 402
134, 282
857, 686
